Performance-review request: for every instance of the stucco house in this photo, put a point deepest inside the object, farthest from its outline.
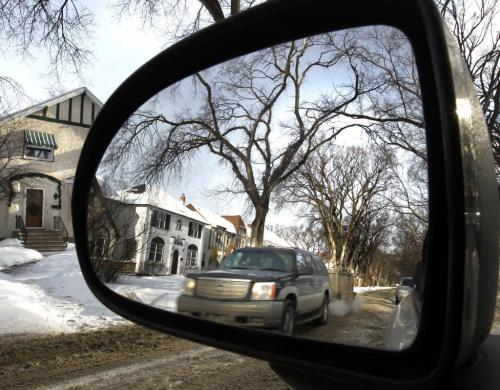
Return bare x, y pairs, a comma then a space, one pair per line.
47, 138
158, 234
221, 237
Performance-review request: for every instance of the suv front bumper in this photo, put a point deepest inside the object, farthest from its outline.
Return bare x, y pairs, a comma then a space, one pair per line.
259, 314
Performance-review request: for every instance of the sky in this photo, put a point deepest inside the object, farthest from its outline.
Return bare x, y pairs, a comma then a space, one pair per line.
120, 47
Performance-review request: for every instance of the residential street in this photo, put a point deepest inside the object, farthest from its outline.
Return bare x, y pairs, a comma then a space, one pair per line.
133, 357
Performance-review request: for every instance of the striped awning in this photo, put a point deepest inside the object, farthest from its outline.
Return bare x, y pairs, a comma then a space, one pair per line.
37, 138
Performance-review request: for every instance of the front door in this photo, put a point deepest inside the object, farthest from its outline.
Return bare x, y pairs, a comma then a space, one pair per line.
175, 260
34, 208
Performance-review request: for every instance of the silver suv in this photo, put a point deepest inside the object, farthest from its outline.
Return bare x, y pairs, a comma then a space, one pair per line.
403, 289
261, 287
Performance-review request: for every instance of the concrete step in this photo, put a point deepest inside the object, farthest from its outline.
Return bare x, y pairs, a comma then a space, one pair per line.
44, 240
48, 248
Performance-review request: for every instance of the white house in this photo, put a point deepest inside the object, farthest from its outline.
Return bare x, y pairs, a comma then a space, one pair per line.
221, 241
157, 232
46, 141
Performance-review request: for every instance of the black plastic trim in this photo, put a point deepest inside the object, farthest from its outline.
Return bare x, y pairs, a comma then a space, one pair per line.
432, 356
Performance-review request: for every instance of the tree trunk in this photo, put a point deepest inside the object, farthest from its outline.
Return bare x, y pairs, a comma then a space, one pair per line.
258, 225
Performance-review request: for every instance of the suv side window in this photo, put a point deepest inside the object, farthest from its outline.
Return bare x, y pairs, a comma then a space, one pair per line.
302, 262
310, 262
320, 266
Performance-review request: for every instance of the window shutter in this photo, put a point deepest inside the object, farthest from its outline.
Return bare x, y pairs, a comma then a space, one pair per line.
190, 231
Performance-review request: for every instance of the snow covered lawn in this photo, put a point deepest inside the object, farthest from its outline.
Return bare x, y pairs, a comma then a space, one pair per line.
158, 291
50, 296
13, 253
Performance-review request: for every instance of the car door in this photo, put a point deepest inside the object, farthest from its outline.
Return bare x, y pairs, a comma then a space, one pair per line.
317, 287
305, 284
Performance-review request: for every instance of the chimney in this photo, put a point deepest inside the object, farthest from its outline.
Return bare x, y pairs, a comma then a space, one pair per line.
182, 198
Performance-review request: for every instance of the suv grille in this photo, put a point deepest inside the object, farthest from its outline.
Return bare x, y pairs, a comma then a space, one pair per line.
222, 288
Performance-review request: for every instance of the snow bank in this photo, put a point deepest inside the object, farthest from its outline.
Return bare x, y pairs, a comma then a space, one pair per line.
158, 291
51, 296
361, 290
12, 253
23, 309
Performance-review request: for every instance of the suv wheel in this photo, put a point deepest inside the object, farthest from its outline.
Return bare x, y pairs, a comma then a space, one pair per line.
288, 318
323, 319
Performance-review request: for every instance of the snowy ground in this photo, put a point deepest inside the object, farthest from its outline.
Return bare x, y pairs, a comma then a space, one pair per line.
158, 291
48, 294
13, 253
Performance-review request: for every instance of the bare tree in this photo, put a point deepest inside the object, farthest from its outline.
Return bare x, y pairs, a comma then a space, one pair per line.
231, 112
182, 17
114, 233
61, 27
11, 148
306, 236
475, 26
344, 189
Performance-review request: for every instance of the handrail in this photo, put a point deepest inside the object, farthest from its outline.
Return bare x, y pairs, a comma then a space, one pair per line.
20, 226
59, 226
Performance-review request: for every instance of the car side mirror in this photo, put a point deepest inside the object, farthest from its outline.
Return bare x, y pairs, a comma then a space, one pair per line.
462, 211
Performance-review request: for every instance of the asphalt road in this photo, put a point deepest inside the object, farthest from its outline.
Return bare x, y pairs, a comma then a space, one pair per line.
132, 357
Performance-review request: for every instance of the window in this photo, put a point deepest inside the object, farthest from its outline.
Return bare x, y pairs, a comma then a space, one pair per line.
192, 252
39, 153
101, 243
39, 146
160, 220
129, 249
178, 224
156, 250
194, 230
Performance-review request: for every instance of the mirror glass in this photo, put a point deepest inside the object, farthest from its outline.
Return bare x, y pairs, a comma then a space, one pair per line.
283, 190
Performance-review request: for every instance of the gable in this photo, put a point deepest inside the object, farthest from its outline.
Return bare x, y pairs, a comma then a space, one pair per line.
77, 109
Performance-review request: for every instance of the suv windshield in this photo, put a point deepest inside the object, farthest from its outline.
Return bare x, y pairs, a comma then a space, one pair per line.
258, 259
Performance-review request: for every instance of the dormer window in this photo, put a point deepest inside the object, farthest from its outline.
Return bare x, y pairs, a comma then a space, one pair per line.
39, 146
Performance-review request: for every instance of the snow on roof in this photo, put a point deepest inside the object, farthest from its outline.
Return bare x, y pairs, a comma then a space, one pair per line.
274, 239
216, 220
270, 238
159, 199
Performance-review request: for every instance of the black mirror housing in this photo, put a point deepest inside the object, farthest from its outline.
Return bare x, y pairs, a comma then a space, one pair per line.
462, 250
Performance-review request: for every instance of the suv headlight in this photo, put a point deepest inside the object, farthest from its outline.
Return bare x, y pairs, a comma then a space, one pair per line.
188, 286
263, 291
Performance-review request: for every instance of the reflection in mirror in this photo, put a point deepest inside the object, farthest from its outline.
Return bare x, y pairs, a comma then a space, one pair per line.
282, 190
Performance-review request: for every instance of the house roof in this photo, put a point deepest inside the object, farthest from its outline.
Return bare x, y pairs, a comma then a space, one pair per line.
53, 101
236, 220
160, 199
215, 219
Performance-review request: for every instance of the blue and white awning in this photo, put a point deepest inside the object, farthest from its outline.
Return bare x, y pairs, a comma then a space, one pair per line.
36, 138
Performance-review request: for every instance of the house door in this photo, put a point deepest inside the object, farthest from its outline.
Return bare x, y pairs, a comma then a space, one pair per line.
34, 208
175, 260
